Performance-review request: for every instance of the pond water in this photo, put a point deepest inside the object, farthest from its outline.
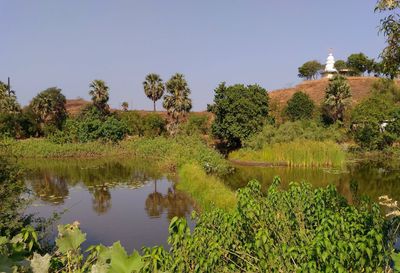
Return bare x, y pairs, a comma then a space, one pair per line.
132, 201
372, 178
123, 200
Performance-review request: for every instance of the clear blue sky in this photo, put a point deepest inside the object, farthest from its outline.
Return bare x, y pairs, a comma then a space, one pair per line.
71, 42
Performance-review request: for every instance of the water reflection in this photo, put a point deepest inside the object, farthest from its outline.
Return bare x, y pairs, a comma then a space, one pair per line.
372, 178
129, 200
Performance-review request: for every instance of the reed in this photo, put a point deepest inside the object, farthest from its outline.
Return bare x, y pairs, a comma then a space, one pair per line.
307, 153
208, 191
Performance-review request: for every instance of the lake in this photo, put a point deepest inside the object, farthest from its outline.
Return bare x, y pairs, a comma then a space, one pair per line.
132, 200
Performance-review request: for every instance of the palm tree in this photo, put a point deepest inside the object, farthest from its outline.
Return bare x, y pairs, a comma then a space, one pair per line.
337, 97
153, 88
99, 93
177, 101
125, 106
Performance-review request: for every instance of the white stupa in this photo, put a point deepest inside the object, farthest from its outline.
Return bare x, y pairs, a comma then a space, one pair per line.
330, 69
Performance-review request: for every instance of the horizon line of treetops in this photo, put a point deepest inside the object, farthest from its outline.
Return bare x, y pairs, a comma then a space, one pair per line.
357, 64
176, 93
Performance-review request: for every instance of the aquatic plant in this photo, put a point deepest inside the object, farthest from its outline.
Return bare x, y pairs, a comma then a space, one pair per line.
295, 153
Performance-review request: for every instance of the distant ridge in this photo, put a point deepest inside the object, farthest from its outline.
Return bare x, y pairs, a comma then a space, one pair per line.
360, 88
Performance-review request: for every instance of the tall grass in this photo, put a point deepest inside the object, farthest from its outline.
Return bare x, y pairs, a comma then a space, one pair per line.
208, 191
170, 153
306, 153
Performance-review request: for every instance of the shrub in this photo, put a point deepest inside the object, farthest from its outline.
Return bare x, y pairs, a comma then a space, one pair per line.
290, 131
134, 121
154, 125
240, 111
368, 119
111, 129
298, 230
196, 124
300, 106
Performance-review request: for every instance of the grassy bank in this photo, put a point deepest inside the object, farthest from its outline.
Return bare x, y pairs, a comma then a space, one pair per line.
208, 191
296, 153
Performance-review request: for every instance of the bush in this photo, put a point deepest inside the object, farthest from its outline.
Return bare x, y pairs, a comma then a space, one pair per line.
368, 119
17, 125
290, 131
111, 129
298, 230
154, 125
240, 111
300, 106
134, 121
196, 124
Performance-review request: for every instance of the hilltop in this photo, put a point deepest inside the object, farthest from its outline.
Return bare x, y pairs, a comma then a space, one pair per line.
360, 88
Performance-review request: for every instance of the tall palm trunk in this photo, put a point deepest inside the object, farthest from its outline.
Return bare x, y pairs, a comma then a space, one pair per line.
154, 106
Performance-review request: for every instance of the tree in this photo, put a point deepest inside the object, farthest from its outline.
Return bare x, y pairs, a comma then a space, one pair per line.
358, 63
300, 106
49, 107
100, 96
340, 65
177, 101
8, 100
240, 111
337, 96
374, 122
153, 88
125, 106
309, 70
390, 27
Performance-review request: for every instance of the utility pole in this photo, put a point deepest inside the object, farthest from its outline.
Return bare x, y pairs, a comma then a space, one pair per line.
9, 86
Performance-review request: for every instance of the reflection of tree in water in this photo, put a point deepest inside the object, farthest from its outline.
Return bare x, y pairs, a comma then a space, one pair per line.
50, 188
174, 202
101, 199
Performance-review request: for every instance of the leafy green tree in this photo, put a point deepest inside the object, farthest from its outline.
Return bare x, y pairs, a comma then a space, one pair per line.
337, 97
177, 101
310, 70
99, 92
300, 106
240, 111
8, 100
49, 108
125, 106
375, 122
358, 63
340, 65
390, 27
153, 88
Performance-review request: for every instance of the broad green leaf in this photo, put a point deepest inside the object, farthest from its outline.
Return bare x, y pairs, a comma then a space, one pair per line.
40, 264
122, 263
99, 268
70, 238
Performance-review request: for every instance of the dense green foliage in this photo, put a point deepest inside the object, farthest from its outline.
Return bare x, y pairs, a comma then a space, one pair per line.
375, 122
337, 98
196, 124
168, 152
8, 100
49, 109
150, 125
300, 106
240, 111
153, 88
306, 153
340, 64
310, 70
11, 189
290, 131
359, 63
390, 26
